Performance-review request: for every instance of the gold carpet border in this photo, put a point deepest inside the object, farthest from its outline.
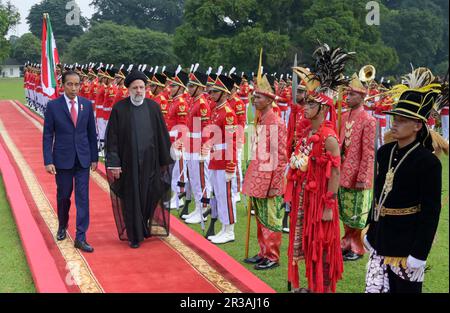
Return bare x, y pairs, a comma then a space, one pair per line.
80, 272
190, 255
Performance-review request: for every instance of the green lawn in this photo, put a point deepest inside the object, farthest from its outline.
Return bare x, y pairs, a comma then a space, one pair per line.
353, 281
12, 89
15, 275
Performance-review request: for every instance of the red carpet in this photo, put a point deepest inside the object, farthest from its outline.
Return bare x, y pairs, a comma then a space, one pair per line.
184, 262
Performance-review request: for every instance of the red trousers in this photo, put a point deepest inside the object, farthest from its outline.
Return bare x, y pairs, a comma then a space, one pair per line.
352, 240
269, 243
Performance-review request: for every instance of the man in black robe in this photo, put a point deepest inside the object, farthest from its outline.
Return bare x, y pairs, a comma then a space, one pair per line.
137, 162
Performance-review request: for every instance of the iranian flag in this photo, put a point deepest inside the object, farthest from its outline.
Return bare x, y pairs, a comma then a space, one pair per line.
49, 59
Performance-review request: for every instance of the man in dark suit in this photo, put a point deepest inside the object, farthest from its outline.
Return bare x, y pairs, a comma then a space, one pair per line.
70, 149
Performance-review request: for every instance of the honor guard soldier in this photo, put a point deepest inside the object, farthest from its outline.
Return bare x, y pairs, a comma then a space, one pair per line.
199, 118
222, 164
240, 110
177, 117
122, 91
157, 85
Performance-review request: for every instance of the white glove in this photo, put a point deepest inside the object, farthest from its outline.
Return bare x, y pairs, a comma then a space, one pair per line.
414, 263
203, 158
229, 176
175, 153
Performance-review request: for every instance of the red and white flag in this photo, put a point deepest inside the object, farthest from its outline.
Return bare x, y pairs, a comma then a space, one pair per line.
49, 59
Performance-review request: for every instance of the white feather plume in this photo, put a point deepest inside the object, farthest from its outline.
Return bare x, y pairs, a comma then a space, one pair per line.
219, 71
179, 68
156, 69
418, 77
130, 67
192, 68
163, 69
208, 72
195, 67
233, 69
144, 67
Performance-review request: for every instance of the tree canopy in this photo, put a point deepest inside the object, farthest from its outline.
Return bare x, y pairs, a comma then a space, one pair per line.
231, 32
9, 17
63, 31
157, 15
105, 42
26, 48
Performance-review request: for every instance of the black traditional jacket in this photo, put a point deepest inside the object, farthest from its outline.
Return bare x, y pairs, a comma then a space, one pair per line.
408, 222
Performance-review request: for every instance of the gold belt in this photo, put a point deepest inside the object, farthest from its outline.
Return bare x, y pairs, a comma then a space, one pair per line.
401, 211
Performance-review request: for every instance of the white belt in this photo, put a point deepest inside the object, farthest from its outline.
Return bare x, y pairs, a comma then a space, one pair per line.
99, 106
282, 104
221, 146
173, 133
195, 156
380, 116
195, 135
107, 109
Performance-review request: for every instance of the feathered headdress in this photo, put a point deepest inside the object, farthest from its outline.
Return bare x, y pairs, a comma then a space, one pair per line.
442, 99
415, 98
323, 83
329, 68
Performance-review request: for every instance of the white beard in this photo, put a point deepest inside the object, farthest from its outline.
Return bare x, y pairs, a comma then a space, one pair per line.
137, 100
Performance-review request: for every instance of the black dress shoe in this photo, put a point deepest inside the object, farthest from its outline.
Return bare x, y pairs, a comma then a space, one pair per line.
351, 256
266, 264
254, 260
134, 244
83, 246
61, 235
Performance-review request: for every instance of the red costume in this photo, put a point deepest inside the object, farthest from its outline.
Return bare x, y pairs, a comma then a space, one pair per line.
244, 91
284, 98
296, 125
163, 103
198, 118
85, 89
358, 148
265, 173
357, 138
100, 99
177, 115
122, 93
316, 240
223, 156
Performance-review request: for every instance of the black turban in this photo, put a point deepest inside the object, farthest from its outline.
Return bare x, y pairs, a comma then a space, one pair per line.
135, 75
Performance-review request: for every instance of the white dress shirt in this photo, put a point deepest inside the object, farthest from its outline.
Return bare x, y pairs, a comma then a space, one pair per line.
69, 105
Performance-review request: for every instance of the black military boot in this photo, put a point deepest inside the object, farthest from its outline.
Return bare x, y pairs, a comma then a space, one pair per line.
207, 212
211, 231
185, 209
